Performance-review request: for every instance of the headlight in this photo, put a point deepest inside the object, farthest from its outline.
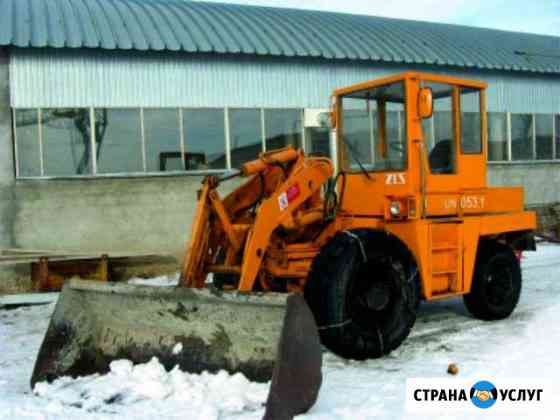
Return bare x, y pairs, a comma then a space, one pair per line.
395, 208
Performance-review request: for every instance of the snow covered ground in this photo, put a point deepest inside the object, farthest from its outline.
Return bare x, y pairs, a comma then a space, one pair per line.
524, 346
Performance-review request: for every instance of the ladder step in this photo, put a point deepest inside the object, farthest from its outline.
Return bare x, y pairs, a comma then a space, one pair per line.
444, 272
444, 248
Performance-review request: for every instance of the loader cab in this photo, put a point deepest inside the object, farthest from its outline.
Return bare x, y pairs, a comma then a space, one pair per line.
407, 138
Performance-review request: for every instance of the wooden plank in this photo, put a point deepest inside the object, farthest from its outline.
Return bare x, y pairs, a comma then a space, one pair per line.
25, 251
43, 252
36, 256
54, 258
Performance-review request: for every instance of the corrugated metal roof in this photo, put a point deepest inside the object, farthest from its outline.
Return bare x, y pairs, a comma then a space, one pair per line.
179, 25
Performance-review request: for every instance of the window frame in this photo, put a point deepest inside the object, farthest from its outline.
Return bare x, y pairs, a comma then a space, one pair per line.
180, 138
507, 137
95, 171
481, 111
533, 158
552, 139
145, 173
185, 140
259, 111
301, 111
344, 162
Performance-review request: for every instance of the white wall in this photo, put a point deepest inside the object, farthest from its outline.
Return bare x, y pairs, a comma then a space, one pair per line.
82, 78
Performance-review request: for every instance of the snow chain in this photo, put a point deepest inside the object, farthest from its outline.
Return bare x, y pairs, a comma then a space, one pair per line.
357, 238
408, 283
381, 341
340, 324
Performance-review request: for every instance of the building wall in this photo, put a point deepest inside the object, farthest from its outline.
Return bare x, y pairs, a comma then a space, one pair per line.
77, 78
6, 157
125, 215
8, 207
541, 181
154, 213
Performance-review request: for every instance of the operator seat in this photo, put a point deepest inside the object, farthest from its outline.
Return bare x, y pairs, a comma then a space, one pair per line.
441, 157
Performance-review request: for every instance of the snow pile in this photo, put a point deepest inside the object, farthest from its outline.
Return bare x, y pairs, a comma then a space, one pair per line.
171, 280
148, 388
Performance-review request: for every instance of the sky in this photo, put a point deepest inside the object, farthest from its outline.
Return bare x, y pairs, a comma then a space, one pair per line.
535, 16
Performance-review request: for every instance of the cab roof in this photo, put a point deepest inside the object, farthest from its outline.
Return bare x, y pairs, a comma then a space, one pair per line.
428, 77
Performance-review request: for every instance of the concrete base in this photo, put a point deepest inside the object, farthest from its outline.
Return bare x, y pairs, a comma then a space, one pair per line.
119, 215
540, 180
123, 215
548, 219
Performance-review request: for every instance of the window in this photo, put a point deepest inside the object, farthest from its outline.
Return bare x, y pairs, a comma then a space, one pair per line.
497, 136
544, 128
317, 141
521, 136
396, 133
66, 141
205, 134
28, 147
471, 141
442, 154
373, 129
163, 140
57, 141
439, 134
283, 128
119, 141
428, 132
245, 135
359, 132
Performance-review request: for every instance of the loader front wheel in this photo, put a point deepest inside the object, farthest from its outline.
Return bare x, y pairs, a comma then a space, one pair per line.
496, 284
364, 303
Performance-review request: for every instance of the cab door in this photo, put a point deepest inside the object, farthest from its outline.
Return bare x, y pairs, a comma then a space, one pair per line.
453, 139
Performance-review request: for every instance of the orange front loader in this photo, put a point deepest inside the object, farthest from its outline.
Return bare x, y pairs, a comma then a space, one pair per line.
402, 212
409, 216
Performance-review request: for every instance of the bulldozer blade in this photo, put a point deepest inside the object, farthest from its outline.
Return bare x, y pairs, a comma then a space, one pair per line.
95, 323
297, 375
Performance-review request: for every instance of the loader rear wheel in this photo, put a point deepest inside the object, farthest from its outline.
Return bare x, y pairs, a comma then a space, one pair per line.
496, 284
363, 308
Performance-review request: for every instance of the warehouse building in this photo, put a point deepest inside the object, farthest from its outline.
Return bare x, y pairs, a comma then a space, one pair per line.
112, 111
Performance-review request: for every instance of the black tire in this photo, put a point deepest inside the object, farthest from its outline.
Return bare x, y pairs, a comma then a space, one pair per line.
337, 290
496, 284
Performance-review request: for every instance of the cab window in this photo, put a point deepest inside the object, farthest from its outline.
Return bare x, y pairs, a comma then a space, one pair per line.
471, 139
373, 129
439, 133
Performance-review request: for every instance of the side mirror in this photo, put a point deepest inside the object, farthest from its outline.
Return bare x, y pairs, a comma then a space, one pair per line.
425, 103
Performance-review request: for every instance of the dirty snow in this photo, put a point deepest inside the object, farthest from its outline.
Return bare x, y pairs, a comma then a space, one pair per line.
523, 346
171, 280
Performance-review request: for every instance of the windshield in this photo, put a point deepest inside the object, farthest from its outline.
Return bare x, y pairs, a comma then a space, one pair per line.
373, 129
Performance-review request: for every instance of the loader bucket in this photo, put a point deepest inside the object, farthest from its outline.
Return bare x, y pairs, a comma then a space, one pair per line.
95, 323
